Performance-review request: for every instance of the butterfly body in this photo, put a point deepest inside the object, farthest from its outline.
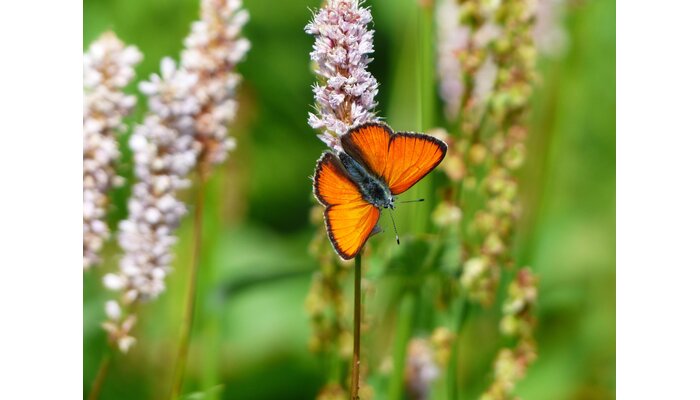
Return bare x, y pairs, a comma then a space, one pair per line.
375, 165
374, 190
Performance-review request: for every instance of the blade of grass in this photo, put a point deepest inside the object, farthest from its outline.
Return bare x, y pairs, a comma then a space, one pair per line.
403, 335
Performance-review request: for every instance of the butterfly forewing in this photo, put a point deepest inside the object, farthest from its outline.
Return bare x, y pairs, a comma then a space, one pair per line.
400, 159
349, 218
369, 144
411, 157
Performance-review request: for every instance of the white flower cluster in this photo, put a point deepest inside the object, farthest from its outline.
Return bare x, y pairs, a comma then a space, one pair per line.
456, 43
164, 153
341, 51
212, 50
549, 33
452, 40
190, 110
118, 327
108, 67
421, 369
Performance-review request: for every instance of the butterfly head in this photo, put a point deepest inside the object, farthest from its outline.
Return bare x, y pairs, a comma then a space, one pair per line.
390, 204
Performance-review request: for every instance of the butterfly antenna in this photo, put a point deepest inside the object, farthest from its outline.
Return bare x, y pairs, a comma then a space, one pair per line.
411, 201
391, 214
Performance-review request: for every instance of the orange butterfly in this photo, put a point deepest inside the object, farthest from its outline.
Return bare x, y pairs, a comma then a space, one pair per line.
356, 184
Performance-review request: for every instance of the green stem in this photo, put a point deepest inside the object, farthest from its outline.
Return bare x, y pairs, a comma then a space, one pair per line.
355, 389
101, 375
191, 295
403, 335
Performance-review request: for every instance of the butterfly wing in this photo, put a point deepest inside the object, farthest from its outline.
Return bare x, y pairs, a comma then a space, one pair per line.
349, 218
400, 159
369, 144
411, 157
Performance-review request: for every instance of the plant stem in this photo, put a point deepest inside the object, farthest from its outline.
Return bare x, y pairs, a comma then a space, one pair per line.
101, 375
191, 295
355, 382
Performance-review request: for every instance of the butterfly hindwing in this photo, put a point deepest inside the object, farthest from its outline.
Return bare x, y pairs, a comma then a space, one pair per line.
349, 218
400, 159
349, 226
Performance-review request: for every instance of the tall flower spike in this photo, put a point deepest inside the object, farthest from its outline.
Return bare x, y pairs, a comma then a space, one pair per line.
549, 33
465, 71
164, 153
421, 369
108, 67
213, 49
345, 94
452, 43
190, 110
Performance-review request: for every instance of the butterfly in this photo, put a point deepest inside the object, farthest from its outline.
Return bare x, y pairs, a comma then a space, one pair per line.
375, 165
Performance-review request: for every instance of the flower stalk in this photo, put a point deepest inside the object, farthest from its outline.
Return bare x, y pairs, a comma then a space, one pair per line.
164, 154
356, 336
213, 49
346, 90
191, 291
190, 110
100, 377
344, 96
486, 69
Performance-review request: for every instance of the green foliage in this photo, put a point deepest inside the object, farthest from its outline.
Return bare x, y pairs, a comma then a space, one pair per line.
251, 331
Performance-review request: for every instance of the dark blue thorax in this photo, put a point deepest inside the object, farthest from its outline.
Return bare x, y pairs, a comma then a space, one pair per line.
374, 190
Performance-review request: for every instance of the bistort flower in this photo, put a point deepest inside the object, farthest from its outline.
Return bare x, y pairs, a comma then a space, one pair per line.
213, 49
164, 154
452, 44
190, 110
421, 369
108, 67
345, 94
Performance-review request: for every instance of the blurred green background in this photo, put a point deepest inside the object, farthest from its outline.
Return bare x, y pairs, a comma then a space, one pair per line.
251, 330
